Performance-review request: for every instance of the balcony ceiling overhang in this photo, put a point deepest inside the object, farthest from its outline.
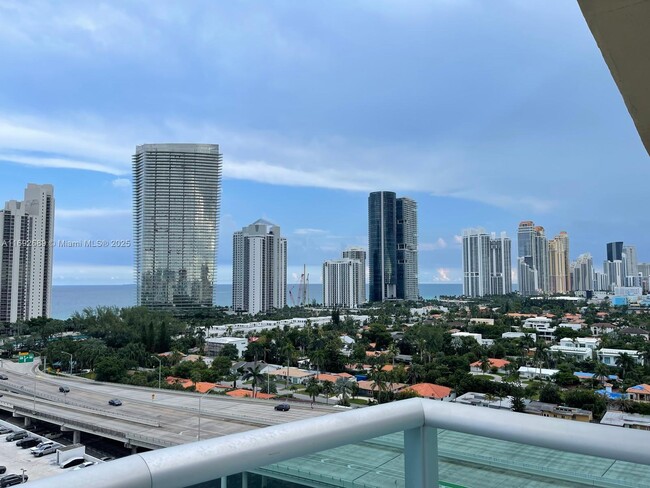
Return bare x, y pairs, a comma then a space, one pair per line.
622, 31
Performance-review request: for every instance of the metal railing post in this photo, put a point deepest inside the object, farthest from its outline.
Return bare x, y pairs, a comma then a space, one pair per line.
421, 457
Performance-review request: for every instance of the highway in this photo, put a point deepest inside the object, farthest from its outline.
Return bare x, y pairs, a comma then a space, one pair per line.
148, 417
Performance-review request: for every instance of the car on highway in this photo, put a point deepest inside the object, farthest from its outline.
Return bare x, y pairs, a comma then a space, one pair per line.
28, 442
13, 479
64, 389
16, 436
115, 402
4, 377
283, 407
5, 430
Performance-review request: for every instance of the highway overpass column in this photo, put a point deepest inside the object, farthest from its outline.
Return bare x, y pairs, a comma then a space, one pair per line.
27, 421
76, 436
421, 457
224, 482
244, 480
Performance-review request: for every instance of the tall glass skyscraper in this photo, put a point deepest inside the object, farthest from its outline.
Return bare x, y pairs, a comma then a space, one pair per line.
533, 268
392, 247
176, 203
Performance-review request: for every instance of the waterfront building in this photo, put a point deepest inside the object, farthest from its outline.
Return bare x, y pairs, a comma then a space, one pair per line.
582, 278
392, 247
341, 282
259, 274
26, 234
486, 263
176, 203
560, 277
532, 262
359, 254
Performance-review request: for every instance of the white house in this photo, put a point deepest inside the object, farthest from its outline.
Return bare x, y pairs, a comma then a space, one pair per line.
215, 344
515, 335
581, 347
542, 326
602, 328
477, 337
609, 356
528, 372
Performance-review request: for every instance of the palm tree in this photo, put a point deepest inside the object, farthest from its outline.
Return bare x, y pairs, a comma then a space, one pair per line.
625, 362
328, 389
254, 373
314, 388
601, 372
343, 386
485, 364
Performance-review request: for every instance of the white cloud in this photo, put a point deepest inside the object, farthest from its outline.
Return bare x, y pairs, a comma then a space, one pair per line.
308, 231
442, 275
433, 246
458, 239
121, 183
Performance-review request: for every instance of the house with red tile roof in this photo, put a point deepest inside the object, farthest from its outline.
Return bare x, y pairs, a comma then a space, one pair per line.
243, 393
184, 382
499, 364
431, 391
368, 388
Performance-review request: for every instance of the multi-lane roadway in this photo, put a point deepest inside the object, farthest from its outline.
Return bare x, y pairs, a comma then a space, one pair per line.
148, 417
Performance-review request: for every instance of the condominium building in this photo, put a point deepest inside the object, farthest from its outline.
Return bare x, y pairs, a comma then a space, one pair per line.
486, 263
392, 260
259, 274
359, 254
407, 249
582, 273
532, 263
559, 269
341, 283
27, 234
176, 203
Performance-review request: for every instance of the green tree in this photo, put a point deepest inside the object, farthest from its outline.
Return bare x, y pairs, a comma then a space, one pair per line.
112, 369
254, 374
518, 404
230, 351
314, 388
327, 389
550, 393
343, 387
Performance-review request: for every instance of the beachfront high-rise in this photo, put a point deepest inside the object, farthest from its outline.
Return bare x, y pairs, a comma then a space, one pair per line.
532, 262
487, 268
26, 234
359, 254
341, 283
392, 247
559, 265
176, 203
259, 272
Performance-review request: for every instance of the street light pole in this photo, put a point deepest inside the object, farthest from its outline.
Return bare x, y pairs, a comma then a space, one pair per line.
201, 398
159, 371
70, 360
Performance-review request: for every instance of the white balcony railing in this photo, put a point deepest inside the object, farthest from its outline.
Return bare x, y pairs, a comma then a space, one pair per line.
211, 459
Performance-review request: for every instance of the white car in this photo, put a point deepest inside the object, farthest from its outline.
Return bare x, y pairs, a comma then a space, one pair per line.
84, 465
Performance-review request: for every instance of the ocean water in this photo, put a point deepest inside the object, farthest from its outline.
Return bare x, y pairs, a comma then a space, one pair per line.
69, 299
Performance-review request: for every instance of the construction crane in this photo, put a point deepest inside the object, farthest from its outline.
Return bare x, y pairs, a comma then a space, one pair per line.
303, 288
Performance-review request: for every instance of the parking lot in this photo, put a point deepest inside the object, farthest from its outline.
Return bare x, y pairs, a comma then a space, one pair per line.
16, 459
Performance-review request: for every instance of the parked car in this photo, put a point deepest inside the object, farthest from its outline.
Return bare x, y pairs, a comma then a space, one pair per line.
4, 377
83, 465
44, 450
28, 442
3, 469
115, 402
5, 430
64, 389
284, 407
13, 479
76, 461
16, 436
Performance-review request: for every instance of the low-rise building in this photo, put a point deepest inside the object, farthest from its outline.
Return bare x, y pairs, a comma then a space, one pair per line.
516, 335
369, 388
477, 337
580, 347
639, 393
498, 364
485, 400
431, 391
528, 372
482, 321
558, 411
295, 376
542, 325
602, 328
214, 345
609, 356
626, 420
634, 332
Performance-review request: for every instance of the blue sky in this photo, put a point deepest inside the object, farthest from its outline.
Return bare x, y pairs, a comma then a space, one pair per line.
486, 113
